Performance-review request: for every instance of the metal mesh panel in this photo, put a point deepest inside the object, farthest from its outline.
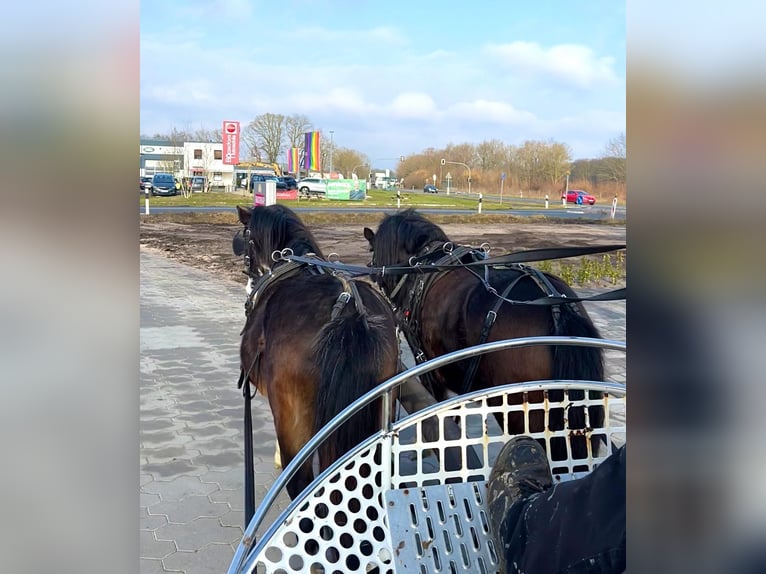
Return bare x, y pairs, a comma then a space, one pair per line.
441, 528
352, 520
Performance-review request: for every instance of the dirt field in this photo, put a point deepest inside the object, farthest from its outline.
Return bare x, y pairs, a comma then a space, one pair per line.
207, 246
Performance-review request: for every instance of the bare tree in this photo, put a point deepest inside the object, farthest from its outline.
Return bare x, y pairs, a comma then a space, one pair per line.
345, 160
203, 134
264, 136
296, 126
613, 164
491, 155
556, 161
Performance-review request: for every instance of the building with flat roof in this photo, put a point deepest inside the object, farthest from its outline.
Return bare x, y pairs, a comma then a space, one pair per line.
186, 159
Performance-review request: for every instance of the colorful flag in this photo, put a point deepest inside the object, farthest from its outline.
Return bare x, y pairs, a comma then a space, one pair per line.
311, 157
292, 160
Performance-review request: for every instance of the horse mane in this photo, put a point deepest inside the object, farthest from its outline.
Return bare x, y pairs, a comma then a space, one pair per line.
277, 227
403, 234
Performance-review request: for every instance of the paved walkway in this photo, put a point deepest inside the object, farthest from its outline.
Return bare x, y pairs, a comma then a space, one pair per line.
191, 420
191, 470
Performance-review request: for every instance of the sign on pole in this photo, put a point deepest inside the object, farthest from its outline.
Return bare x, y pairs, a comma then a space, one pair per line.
230, 143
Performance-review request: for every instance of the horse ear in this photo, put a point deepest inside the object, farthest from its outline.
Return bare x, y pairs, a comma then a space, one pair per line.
244, 215
369, 234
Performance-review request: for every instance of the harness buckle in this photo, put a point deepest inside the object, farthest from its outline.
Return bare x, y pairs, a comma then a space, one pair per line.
491, 317
344, 297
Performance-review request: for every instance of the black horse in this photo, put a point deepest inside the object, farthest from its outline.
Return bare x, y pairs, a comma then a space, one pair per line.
313, 341
444, 311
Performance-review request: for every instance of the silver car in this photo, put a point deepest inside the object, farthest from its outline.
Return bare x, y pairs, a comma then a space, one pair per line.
315, 186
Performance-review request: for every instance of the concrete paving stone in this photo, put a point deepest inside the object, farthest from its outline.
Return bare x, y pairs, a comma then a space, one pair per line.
198, 533
180, 488
214, 445
195, 406
220, 460
152, 521
229, 479
232, 412
150, 547
151, 566
162, 438
233, 518
202, 431
152, 424
234, 498
155, 412
147, 498
144, 479
174, 468
212, 416
170, 453
213, 558
192, 507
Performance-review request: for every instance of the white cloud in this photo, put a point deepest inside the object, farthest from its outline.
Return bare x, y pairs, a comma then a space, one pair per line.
574, 64
487, 111
345, 100
413, 105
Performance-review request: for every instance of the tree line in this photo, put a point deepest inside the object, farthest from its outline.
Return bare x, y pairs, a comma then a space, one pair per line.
534, 166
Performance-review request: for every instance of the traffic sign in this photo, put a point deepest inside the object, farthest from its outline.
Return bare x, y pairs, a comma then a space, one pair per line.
502, 176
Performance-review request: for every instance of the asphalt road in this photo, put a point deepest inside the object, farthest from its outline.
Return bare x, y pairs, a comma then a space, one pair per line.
593, 212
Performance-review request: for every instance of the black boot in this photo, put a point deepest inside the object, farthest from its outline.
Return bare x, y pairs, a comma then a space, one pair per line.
521, 470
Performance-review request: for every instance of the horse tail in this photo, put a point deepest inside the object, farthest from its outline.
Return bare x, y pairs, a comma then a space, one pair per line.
353, 353
581, 363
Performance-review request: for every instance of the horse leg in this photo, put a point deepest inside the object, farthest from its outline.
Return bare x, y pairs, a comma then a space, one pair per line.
293, 431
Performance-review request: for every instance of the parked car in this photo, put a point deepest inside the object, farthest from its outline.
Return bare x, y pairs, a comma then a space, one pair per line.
290, 182
198, 183
163, 184
260, 178
430, 188
579, 197
144, 181
315, 186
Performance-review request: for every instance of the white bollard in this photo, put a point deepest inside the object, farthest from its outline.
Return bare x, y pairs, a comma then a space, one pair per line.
564, 200
480, 202
398, 199
546, 201
614, 206
146, 193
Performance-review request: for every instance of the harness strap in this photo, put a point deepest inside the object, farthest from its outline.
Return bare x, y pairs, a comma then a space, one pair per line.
489, 321
518, 257
244, 384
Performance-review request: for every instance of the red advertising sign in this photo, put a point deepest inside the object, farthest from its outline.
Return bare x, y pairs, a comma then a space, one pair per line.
230, 143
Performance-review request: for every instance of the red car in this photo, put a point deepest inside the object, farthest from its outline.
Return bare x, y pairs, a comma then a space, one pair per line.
579, 197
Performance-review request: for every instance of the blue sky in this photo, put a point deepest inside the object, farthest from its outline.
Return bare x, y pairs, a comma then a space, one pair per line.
390, 77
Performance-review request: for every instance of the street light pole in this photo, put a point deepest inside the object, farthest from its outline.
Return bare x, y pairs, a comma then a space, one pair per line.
331, 132
465, 166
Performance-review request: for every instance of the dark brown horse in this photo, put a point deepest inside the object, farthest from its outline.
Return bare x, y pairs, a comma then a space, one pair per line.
446, 311
313, 341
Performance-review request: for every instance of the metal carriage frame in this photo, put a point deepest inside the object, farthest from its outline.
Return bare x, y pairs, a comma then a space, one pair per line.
411, 498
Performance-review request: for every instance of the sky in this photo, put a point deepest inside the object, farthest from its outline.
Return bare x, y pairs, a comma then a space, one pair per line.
390, 78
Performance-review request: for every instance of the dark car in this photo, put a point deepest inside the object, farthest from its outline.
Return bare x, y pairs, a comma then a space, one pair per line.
164, 184
260, 178
143, 181
428, 188
290, 182
579, 197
